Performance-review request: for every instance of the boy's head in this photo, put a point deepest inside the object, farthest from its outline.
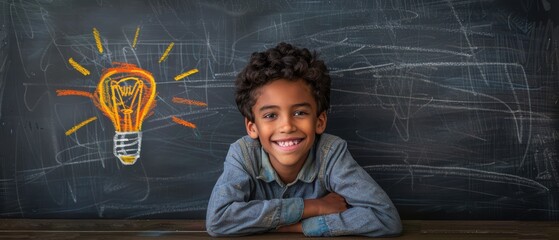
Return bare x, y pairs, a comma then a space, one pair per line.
284, 94
282, 62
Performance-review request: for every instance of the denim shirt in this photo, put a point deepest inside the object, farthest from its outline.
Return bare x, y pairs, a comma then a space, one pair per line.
249, 197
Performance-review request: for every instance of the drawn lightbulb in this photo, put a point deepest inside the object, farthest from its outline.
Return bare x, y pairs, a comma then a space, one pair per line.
126, 94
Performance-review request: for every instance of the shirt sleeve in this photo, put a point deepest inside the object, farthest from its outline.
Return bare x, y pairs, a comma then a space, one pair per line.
371, 212
231, 212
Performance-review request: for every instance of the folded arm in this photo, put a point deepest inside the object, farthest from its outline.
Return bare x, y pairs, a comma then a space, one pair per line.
370, 212
231, 212
329, 204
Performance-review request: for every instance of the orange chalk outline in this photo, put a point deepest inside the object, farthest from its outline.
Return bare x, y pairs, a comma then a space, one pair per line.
183, 122
75, 128
105, 102
186, 74
166, 53
78, 67
97, 40
67, 92
136, 37
189, 102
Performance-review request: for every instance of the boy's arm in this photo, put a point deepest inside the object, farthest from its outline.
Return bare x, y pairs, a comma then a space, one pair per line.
231, 212
371, 213
331, 203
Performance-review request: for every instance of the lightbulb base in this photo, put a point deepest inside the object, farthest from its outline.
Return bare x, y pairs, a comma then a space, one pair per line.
127, 146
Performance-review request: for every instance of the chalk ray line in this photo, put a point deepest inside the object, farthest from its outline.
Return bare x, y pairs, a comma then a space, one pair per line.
97, 38
166, 53
183, 122
136, 35
186, 74
78, 67
189, 102
80, 125
67, 92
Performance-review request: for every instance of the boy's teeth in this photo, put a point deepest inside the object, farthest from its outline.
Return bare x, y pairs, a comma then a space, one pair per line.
288, 143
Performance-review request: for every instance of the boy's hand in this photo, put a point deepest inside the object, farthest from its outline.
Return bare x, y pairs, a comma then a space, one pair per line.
331, 203
297, 227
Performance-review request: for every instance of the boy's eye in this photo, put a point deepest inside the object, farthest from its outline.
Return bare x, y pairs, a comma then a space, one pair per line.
270, 115
299, 113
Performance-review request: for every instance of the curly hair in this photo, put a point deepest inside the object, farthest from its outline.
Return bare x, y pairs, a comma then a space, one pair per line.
285, 61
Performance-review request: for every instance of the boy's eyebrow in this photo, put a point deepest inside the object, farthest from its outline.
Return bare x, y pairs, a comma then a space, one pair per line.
304, 104
266, 107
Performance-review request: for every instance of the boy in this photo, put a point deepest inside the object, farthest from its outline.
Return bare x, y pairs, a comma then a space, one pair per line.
287, 175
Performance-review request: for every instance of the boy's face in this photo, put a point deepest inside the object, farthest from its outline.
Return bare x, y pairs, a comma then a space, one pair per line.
286, 123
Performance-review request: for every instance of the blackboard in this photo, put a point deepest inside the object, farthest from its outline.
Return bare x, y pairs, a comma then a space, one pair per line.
451, 105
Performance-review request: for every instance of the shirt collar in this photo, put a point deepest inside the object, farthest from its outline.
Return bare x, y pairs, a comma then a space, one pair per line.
307, 174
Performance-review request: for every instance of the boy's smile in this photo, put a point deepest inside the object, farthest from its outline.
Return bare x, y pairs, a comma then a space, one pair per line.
286, 123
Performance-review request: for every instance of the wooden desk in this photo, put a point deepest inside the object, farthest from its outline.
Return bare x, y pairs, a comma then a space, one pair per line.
194, 229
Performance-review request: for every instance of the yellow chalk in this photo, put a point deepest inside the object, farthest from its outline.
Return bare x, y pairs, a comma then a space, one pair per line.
75, 128
136, 37
78, 67
97, 40
186, 74
164, 56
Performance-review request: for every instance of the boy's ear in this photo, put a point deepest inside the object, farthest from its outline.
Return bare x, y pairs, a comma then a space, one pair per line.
252, 130
321, 123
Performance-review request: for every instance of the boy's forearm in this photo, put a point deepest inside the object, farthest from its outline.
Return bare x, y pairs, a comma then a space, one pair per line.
331, 203
243, 218
310, 208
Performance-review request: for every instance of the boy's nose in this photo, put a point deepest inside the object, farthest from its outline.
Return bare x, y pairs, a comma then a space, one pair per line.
287, 125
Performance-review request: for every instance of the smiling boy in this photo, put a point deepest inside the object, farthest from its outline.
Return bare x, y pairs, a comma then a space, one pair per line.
287, 174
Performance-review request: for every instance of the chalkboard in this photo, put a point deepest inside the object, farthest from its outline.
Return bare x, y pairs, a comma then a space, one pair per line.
451, 105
